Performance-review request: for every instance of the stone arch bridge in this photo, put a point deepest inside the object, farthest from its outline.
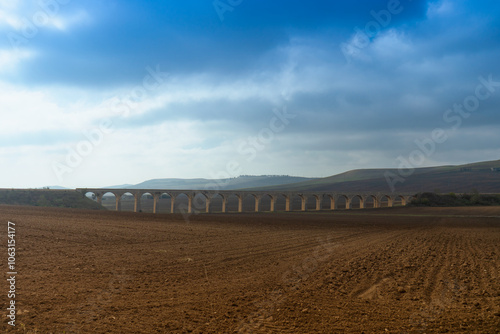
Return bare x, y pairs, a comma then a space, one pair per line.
208, 195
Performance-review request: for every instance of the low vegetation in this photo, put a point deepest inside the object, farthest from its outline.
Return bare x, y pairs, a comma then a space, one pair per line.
47, 198
452, 199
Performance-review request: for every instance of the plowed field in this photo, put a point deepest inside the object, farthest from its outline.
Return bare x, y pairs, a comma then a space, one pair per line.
400, 270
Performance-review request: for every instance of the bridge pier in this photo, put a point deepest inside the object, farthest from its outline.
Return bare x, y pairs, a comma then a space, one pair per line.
172, 203
118, 203
156, 197
137, 202
207, 206
303, 203
240, 203
190, 203
318, 203
347, 203
224, 203
361, 202
98, 198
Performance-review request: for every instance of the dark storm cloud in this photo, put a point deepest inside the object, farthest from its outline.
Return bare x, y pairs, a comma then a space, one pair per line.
187, 37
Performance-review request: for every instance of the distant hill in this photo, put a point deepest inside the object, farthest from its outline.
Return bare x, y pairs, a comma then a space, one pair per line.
48, 198
483, 177
122, 186
241, 182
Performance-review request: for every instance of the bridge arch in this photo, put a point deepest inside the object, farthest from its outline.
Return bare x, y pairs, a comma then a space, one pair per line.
250, 202
267, 203
234, 202
357, 201
343, 201
330, 200
200, 202
163, 202
110, 201
145, 201
400, 200
313, 202
93, 195
182, 202
371, 201
298, 202
217, 202
126, 201
386, 201
280, 202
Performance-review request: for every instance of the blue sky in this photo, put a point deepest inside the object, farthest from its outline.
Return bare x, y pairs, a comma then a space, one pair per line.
96, 93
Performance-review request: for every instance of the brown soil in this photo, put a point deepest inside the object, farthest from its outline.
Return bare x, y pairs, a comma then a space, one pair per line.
402, 270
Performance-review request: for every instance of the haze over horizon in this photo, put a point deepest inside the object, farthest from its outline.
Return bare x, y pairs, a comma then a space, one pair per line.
97, 93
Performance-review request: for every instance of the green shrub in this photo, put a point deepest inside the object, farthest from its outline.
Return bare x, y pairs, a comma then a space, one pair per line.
433, 199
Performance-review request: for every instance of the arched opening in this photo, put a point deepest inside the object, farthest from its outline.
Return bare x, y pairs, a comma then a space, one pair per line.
127, 202
342, 201
216, 203
371, 202
200, 203
385, 201
265, 203
356, 202
326, 202
109, 201
399, 201
249, 203
280, 203
232, 203
164, 203
146, 203
91, 195
181, 203
312, 202
296, 203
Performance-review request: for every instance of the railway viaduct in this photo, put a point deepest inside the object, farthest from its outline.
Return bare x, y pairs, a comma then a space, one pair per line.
208, 195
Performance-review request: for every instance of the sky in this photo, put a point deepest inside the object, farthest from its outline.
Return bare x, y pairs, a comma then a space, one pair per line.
98, 93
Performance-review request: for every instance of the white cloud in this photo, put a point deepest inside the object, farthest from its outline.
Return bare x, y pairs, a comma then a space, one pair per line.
440, 8
26, 111
64, 23
9, 59
19, 15
392, 44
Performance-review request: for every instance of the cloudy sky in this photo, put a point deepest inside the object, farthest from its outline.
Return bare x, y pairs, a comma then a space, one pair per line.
97, 93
